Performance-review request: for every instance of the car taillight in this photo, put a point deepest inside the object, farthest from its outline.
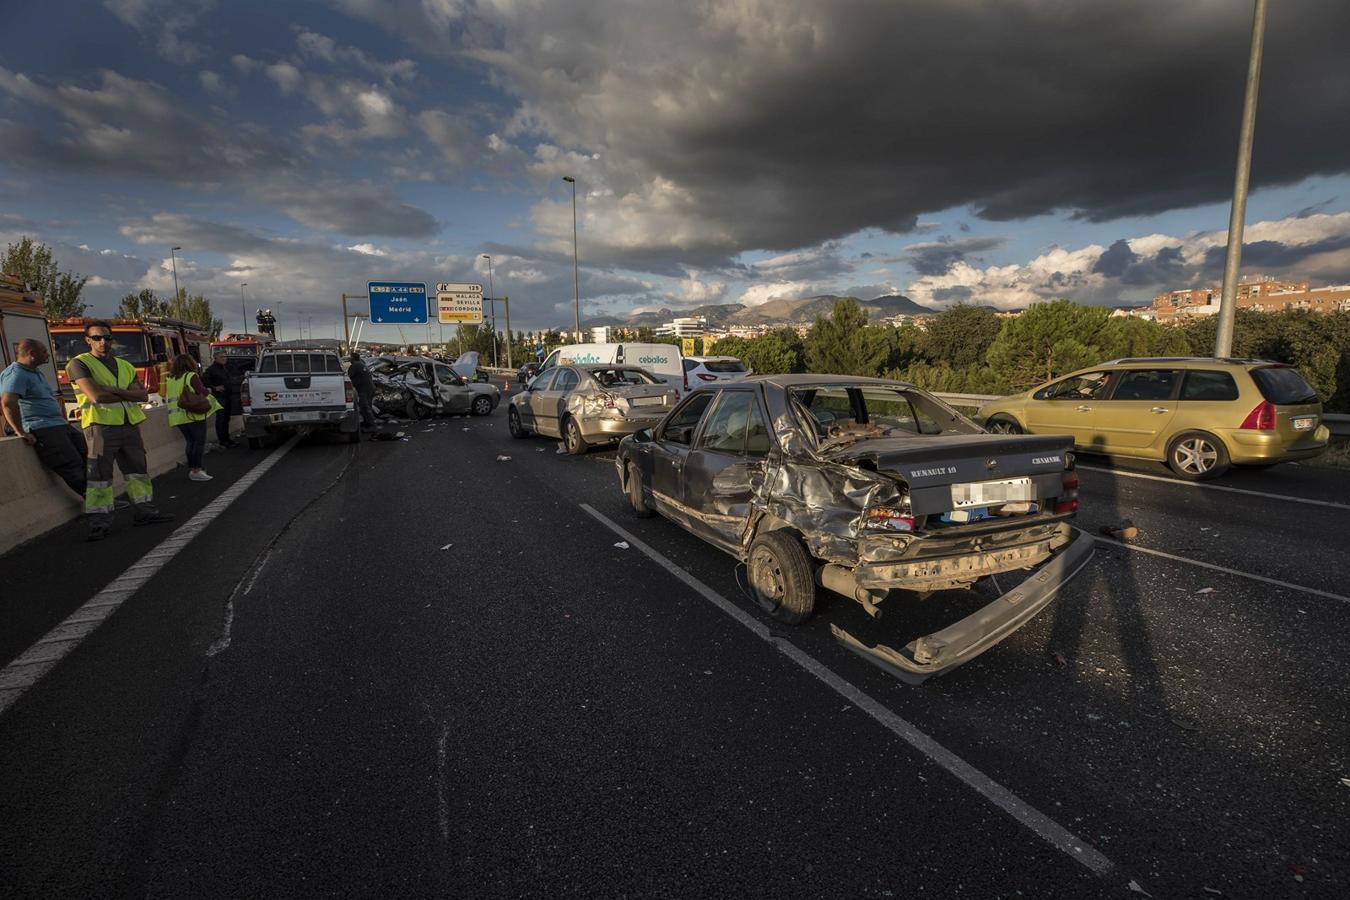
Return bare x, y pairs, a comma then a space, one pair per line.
608, 400
887, 518
1262, 418
245, 399
707, 377
1067, 501
348, 392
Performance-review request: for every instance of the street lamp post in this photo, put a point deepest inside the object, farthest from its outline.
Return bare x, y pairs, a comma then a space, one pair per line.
576, 278
173, 259
492, 298
243, 315
1223, 339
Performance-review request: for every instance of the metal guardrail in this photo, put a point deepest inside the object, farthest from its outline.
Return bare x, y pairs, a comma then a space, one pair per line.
1338, 423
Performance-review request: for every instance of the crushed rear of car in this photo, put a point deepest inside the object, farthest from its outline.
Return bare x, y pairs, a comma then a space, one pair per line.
884, 488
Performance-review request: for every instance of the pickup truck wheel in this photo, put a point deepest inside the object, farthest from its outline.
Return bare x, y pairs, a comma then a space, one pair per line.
514, 424
576, 444
780, 577
1197, 456
482, 405
255, 443
1003, 425
640, 507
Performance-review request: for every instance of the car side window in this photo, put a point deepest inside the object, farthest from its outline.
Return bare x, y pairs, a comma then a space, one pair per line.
566, 380
446, 375
1146, 384
543, 380
728, 424
1203, 385
680, 427
1090, 386
690, 365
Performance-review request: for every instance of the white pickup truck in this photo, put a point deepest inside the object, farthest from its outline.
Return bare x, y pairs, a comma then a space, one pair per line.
298, 388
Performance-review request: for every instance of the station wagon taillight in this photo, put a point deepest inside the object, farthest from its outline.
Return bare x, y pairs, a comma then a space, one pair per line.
245, 398
348, 392
706, 377
1068, 498
1262, 418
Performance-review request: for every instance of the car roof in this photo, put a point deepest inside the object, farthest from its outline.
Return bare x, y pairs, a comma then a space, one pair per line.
1186, 362
800, 380
712, 358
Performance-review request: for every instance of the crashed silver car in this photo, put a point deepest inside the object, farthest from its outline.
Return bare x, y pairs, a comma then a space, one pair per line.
869, 488
590, 404
416, 387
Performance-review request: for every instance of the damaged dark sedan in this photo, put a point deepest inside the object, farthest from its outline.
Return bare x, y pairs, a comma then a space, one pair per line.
864, 487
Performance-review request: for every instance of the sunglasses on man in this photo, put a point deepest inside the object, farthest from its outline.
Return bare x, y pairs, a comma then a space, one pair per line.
100, 337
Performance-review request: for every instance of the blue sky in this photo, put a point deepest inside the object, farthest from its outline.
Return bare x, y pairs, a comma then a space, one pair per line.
739, 151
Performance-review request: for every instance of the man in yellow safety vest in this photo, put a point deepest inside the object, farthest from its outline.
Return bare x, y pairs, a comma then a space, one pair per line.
109, 396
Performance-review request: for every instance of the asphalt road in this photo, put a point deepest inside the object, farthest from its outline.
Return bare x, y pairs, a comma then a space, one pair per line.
315, 698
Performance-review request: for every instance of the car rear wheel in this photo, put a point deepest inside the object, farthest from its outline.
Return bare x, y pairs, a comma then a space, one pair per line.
640, 507
482, 405
780, 577
576, 444
515, 425
1197, 456
1003, 425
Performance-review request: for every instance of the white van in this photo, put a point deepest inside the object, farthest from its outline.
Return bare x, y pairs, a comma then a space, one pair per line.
662, 360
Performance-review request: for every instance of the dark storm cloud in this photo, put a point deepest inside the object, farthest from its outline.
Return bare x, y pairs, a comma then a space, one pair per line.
938, 257
1011, 107
1121, 263
1273, 255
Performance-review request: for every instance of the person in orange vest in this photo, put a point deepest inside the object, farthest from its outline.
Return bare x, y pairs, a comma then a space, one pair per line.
109, 396
190, 405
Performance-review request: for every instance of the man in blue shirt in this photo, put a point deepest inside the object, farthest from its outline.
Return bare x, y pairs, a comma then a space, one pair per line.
33, 410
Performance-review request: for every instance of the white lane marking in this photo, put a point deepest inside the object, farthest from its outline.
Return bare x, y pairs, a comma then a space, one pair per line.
1216, 487
442, 803
1022, 812
38, 660
1227, 571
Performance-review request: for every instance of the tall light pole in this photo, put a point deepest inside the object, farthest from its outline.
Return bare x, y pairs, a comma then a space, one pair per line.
243, 315
1223, 339
173, 259
576, 278
492, 298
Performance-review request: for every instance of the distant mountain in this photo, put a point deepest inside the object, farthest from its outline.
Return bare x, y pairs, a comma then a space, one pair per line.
780, 311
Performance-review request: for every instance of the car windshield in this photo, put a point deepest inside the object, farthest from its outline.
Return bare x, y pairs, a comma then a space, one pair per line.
620, 377
840, 415
128, 345
1281, 385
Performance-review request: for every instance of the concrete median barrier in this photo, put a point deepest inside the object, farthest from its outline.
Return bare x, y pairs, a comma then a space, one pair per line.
33, 500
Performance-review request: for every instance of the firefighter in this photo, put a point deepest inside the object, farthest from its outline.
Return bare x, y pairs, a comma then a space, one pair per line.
109, 396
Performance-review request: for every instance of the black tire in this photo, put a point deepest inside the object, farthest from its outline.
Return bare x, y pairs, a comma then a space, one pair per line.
1001, 424
576, 444
255, 443
513, 423
781, 578
1197, 456
482, 405
412, 409
640, 507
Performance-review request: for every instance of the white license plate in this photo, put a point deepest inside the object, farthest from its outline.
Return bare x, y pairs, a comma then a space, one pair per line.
298, 417
986, 493
1304, 423
648, 401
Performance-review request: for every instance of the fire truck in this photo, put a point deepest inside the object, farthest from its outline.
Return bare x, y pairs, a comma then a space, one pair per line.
149, 344
21, 316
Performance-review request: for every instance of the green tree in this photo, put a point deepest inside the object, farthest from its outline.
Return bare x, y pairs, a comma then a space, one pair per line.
1050, 339
195, 308
33, 262
962, 335
843, 343
141, 304
774, 353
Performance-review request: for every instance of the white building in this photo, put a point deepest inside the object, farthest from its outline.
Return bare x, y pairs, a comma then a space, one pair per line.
688, 326
601, 334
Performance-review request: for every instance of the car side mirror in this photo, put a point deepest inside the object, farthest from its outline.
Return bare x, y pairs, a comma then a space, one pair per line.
643, 436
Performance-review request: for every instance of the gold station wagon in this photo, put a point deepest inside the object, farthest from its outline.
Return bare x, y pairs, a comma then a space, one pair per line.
1198, 415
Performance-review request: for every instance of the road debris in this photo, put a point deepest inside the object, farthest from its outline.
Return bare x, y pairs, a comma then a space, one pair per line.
1345, 781
1136, 889
622, 545
447, 546
1215, 891
399, 433
1205, 590
503, 459
1058, 658
1125, 531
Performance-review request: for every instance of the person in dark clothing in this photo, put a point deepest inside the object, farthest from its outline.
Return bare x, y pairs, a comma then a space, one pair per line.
217, 380
364, 385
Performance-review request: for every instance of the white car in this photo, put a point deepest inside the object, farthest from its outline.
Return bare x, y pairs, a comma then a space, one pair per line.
701, 370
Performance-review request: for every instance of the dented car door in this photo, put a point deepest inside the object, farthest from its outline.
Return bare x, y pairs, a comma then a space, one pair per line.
726, 468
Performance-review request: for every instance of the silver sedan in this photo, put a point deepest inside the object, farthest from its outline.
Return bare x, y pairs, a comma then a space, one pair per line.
590, 404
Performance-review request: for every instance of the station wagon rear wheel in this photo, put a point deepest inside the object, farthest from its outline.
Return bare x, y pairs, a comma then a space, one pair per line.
1003, 425
1197, 456
635, 499
482, 405
576, 444
514, 424
780, 577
